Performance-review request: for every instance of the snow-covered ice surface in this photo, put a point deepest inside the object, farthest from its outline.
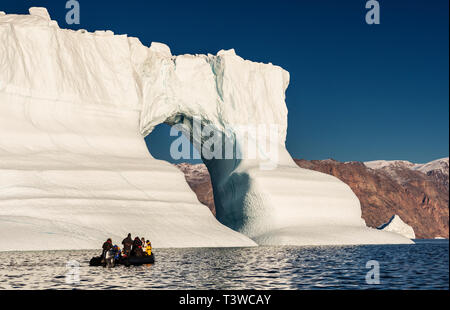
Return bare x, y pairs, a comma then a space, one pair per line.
396, 225
74, 167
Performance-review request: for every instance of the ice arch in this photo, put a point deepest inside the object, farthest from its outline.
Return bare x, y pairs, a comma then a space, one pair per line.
268, 198
74, 168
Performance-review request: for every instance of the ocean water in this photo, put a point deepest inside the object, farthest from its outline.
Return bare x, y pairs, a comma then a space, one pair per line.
424, 265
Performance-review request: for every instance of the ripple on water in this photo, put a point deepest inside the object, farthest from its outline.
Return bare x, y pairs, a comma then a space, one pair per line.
419, 266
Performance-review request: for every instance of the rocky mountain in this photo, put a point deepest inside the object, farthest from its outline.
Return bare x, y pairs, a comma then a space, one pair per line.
437, 169
418, 193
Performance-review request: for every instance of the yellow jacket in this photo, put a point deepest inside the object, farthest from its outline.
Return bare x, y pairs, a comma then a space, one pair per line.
148, 249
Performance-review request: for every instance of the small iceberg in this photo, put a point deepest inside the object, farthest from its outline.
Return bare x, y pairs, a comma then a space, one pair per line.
396, 225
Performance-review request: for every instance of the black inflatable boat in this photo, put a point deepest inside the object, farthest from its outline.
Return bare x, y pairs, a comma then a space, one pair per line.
126, 261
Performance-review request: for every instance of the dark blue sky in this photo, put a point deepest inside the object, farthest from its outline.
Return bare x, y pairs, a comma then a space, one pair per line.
357, 91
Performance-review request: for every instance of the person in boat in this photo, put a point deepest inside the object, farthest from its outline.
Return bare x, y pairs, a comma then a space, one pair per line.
106, 247
112, 256
137, 247
127, 244
117, 252
148, 248
143, 243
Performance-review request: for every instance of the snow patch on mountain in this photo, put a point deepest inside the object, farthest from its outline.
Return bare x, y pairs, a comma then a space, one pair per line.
380, 164
441, 165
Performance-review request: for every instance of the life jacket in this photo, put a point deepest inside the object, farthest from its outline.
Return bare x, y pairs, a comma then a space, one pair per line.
116, 250
148, 249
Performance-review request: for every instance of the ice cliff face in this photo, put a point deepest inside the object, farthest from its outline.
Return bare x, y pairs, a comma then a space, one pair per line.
74, 107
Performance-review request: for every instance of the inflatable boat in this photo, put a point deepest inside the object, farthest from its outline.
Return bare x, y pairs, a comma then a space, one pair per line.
126, 261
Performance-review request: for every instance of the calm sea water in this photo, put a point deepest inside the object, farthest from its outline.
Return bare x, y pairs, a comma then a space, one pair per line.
424, 265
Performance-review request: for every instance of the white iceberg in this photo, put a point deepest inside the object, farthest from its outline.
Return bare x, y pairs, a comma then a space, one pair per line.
74, 109
396, 225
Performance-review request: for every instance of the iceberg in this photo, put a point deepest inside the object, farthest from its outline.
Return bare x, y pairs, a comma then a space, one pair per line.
75, 107
396, 225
